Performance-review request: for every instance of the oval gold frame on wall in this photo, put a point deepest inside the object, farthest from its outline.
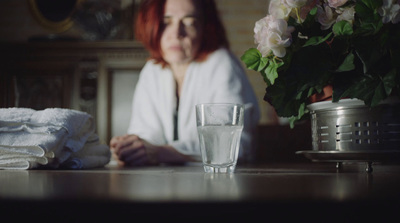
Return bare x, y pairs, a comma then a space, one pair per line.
54, 26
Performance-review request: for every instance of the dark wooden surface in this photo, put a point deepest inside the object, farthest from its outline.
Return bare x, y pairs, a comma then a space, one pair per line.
312, 192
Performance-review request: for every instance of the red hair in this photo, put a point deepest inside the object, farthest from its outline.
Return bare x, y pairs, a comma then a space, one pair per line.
149, 28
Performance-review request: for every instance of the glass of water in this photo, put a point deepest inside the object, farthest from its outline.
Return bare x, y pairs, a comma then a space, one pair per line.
219, 127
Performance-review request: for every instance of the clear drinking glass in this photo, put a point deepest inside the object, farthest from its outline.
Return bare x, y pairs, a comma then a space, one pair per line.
219, 127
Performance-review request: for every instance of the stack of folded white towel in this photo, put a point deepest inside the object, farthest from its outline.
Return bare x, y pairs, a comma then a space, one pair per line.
50, 138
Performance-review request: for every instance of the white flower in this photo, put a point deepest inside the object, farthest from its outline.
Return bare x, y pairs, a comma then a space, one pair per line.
336, 3
272, 35
346, 14
325, 17
279, 10
298, 9
259, 28
294, 3
390, 11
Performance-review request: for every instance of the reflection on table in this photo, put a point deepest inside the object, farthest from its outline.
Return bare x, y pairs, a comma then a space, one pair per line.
177, 192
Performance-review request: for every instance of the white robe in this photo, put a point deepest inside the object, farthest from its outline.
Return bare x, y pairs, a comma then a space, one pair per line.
220, 78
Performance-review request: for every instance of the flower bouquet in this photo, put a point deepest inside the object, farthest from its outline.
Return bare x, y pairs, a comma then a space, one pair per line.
305, 45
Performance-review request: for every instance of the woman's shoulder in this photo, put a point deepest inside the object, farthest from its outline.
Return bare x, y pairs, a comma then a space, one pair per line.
223, 59
220, 54
150, 65
151, 69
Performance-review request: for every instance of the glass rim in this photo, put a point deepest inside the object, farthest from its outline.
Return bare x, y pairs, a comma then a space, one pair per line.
223, 103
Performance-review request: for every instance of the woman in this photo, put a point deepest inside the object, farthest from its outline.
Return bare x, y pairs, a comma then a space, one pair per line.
190, 64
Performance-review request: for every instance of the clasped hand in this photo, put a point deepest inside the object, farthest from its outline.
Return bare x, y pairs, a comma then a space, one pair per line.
132, 150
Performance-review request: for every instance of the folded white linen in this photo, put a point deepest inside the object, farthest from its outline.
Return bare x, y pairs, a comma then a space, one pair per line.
49, 138
35, 139
6, 158
47, 142
67, 118
30, 150
79, 125
18, 165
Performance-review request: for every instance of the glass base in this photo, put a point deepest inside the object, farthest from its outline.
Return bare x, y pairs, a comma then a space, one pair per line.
219, 169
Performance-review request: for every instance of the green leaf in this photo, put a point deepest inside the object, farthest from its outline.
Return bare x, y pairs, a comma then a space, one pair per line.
310, 92
304, 89
301, 110
370, 28
370, 22
263, 63
367, 8
342, 28
316, 40
370, 89
348, 64
252, 59
292, 121
379, 94
389, 81
272, 70
313, 11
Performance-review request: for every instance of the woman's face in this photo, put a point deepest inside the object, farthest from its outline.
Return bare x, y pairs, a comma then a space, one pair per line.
180, 40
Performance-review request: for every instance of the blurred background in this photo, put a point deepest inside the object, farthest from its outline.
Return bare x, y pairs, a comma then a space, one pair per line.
82, 54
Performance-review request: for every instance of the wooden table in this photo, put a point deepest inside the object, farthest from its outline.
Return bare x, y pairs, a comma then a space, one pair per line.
306, 191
